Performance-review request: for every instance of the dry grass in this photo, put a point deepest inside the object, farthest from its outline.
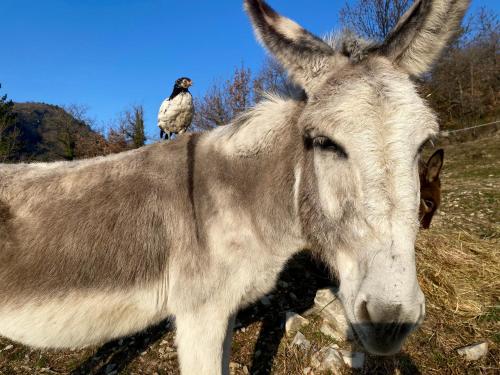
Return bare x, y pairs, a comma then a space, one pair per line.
458, 265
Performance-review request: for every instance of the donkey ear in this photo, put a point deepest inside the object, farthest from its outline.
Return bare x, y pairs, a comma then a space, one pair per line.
422, 33
305, 56
434, 165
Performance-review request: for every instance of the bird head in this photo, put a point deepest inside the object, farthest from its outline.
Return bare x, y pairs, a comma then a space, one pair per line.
184, 83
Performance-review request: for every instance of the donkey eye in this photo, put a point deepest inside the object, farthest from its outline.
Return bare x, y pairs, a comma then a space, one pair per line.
326, 144
424, 143
429, 203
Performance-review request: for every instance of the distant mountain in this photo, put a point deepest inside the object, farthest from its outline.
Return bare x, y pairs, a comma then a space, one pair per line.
47, 132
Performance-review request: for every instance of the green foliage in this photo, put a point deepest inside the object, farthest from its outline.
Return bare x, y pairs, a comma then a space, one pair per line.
9, 134
139, 137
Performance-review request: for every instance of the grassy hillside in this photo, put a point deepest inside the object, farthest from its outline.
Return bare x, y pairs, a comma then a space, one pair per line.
458, 263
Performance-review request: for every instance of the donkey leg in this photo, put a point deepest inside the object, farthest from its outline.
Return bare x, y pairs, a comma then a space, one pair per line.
201, 340
228, 340
161, 133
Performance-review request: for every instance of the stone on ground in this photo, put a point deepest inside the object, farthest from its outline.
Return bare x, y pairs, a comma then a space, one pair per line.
327, 359
353, 359
330, 309
329, 331
301, 341
294, 322
474, 352
266, 300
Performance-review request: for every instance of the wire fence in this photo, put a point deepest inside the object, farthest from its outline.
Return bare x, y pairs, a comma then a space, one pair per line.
445, 132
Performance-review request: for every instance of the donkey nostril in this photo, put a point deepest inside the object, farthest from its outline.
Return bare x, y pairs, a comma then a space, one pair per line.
364, 315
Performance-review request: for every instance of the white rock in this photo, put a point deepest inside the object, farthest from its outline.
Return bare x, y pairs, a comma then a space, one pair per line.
301, 341
327, 330
266, 301
330, 308
8, 347
245, 370
110, 368
234, 365
308, 371
283, 284
353, 359
294, 322
327, 358
474, 352
323, 297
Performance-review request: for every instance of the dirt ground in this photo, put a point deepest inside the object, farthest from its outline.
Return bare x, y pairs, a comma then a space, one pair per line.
458, 263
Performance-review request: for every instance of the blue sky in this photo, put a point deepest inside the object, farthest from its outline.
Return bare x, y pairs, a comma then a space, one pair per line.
110, 54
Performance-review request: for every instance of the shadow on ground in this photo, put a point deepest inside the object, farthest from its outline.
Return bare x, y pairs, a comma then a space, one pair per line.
296, 289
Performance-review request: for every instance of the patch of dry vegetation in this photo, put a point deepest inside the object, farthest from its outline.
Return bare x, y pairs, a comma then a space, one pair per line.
458, 265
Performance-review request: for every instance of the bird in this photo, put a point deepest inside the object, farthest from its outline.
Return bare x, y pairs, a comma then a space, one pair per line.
176, 112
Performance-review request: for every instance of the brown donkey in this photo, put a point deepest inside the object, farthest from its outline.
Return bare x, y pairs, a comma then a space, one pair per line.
430, 187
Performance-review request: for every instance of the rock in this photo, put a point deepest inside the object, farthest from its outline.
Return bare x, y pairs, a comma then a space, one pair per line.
266, 301
308, 371
327, 330
245, 370
294, 322
353, 359
283, 284
327, 358
324, 297
110, 368
171, 355
301, 341
330, 308
8, 347
233, 366
474, 352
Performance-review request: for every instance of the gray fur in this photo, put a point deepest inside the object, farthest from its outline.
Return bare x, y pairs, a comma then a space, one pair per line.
199, 227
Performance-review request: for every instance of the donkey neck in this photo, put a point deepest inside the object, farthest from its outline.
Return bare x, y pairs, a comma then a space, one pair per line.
259, 155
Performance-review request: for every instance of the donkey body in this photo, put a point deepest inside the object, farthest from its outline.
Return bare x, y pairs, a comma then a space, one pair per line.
197, 228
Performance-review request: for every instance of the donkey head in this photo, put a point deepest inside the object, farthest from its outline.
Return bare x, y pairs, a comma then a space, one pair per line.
360, 134
430, 187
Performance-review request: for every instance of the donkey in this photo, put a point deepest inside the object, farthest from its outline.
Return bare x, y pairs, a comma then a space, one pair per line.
430, 187
97, 249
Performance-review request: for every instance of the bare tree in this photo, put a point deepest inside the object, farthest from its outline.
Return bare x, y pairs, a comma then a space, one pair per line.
465, 86
223, 102
274, 79
88, 144
128, 131
373, 19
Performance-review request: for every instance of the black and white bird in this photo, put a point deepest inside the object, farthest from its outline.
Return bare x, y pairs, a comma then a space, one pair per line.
176, 112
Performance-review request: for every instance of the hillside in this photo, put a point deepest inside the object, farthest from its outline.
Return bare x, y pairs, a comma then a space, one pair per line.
47, 132
458, 263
